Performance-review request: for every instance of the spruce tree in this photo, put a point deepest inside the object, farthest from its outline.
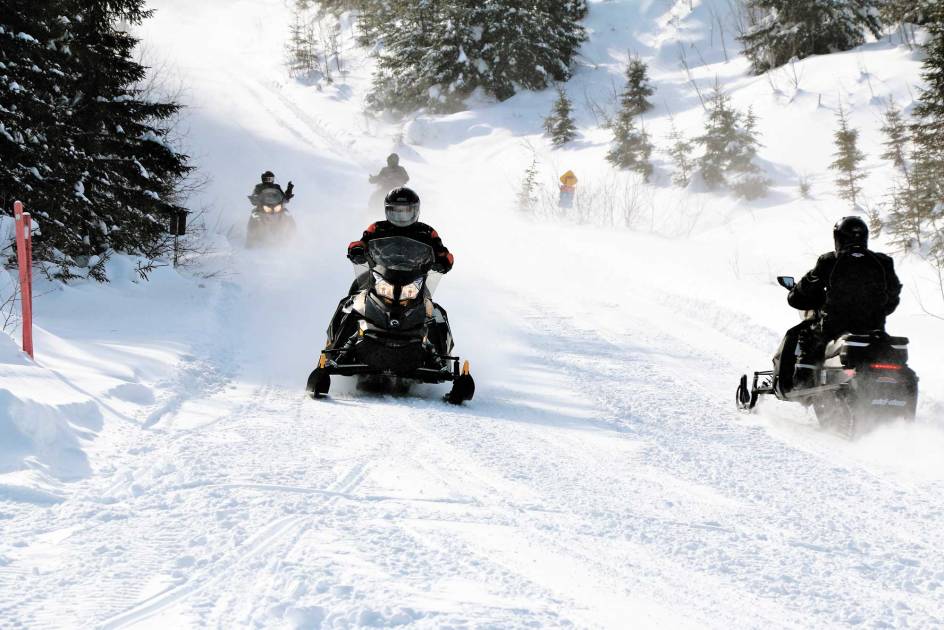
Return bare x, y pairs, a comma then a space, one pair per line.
79, 143
897, 12
848, 162
896, 137
928, 126
914, 212
559, 125
800, 28
437, 52
681, 151
631, 147
721, 132
634, 99
301, 50
745, 177
730, 147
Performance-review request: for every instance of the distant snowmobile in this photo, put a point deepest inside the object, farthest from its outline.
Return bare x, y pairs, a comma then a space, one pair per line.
863, 380
389, 329
270, 222
391, 176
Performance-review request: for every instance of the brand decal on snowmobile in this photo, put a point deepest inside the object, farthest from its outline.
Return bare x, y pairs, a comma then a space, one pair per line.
884, 402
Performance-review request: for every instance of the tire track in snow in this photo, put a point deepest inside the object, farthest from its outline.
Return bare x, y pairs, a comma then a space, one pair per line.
821, 547
284, 532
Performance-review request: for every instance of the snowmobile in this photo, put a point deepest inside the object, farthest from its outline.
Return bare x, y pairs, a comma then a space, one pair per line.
270, 221
389, 329
862, 381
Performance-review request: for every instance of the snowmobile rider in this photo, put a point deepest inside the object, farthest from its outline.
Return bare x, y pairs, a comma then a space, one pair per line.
853, 290
268, 181
402, 208
392, 175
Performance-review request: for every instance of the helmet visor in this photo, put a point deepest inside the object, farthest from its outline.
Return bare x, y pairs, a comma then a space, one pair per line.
403, 215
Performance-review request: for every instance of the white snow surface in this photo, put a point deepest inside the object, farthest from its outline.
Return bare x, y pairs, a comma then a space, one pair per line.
160, 466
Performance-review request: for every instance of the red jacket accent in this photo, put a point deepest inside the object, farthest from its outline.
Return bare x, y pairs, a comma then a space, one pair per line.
418, 232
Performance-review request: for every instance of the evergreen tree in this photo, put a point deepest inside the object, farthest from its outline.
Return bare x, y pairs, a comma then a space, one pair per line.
720, 133
559, 125
730, 147
848, 162
905, 15
800, 28
79, 143
745, 177
631, 147
928, 126
896, 12
435, 53
681, 151
635, 97
302, 59
896, 137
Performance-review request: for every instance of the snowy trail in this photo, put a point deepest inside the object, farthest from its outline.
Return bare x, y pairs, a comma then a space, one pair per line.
601, 477
603, 484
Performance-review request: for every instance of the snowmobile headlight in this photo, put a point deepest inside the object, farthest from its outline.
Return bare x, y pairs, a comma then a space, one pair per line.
383, 288
412, 290
267, 209
277, 208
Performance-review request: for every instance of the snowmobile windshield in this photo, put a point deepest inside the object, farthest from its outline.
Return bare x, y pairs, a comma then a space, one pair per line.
400, 255
271, 197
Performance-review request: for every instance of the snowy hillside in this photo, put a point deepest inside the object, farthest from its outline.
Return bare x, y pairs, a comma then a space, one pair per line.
161, 467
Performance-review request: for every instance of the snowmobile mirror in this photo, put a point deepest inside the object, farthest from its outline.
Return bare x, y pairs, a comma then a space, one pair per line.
787, 282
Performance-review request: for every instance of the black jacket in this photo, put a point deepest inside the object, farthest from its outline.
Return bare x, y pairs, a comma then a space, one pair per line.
391, 177
854, 291
418, 232
287, 194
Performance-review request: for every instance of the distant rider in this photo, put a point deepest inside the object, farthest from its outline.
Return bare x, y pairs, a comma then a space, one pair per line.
402, 208
852, 288
268, 182
392, 175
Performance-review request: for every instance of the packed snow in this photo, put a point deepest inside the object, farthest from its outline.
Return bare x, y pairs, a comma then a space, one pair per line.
160, 465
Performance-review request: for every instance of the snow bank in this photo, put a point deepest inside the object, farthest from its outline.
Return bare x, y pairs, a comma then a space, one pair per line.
44, 426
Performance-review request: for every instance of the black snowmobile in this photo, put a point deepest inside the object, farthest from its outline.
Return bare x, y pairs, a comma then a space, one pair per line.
864, 380
270, 222
389, 330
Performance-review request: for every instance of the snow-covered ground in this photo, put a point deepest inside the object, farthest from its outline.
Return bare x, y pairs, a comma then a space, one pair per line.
161, 467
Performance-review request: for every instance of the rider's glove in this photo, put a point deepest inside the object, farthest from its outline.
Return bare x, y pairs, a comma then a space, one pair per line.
443, 263
356, 253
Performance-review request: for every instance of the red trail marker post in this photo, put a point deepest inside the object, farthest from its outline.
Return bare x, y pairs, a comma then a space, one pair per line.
24, 258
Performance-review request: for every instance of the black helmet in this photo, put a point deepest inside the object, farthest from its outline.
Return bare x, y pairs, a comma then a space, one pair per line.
393, 159
402, 206
850, 232
268, 177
